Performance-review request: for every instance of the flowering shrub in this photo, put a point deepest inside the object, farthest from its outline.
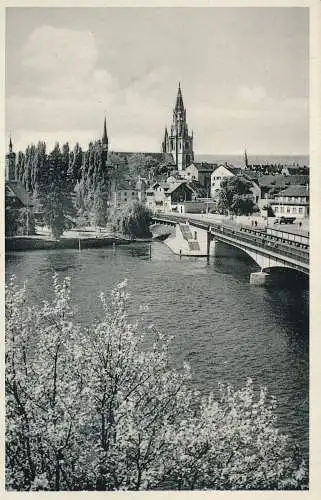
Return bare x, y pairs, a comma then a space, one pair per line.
92, 409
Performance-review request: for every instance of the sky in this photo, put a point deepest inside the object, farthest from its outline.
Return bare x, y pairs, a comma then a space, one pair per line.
244, 74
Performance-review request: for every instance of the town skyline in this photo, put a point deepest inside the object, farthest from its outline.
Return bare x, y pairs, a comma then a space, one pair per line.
129, 67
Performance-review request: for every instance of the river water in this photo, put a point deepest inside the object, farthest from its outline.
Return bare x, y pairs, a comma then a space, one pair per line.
227, 329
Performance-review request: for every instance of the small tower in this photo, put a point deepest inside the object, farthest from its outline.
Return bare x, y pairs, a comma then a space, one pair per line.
105, 141
165, 143
179, 143
246, 160
10, 163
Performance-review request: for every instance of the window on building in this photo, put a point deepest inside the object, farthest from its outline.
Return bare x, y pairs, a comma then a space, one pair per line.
294, 210
276, 209
300, 210
125, 199
133, 193
288, 210
281, 210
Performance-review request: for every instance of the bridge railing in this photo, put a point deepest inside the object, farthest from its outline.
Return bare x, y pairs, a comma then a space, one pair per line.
257, 237
261, 241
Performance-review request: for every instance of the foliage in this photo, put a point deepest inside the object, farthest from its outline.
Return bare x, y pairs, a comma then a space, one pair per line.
243, 205
19, 221
270, 212
234, 196
132, 220
102, 409
141, 165
11, 219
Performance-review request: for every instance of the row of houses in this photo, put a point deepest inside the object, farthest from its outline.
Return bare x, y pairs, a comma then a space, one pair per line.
197, 188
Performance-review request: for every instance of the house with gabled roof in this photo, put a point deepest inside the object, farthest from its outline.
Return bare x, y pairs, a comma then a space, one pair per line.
292, 202
16, 195
164, 197
200, 172
219, 173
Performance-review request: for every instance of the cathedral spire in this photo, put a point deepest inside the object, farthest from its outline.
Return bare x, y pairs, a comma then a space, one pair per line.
105, 137
10, 145
179, 99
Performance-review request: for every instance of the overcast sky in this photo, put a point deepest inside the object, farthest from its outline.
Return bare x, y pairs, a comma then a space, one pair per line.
243, 72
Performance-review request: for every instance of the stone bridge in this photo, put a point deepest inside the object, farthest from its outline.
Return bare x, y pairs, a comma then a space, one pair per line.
200, 238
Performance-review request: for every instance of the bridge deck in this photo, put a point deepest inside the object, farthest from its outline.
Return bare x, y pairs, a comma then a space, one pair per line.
296, 252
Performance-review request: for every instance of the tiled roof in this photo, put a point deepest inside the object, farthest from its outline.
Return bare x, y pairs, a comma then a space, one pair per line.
198, 189
282, 181
252, 175
172, 187
294, 191
204, 167
20, 192
233, 170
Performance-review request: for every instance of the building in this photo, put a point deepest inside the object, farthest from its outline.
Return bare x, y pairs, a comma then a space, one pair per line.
200, 172
16, 196
295, 170
179, 142
271, 185
292, 202
125, 192
219, 173
164, 197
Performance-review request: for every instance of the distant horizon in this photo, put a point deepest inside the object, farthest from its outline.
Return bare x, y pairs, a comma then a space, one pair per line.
118, 150
244, 75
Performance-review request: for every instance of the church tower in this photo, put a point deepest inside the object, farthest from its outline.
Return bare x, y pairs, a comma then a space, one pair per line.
179, 142
10, 163
105, 141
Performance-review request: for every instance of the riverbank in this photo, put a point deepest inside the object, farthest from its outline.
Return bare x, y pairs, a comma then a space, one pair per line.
71, 240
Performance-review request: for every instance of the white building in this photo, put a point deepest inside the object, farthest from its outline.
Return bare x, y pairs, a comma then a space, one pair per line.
221, 172
292, 202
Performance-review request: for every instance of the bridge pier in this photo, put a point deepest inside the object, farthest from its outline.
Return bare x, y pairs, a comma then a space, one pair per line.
259, 278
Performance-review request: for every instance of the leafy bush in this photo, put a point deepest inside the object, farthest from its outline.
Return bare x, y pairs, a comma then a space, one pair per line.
19, 221
92, 409
132, 220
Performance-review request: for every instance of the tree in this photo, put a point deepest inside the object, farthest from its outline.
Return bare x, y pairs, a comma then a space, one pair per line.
55, 191
103, 409
232, 191
132, 220
243, 205
99, 207
19, 221
11, 220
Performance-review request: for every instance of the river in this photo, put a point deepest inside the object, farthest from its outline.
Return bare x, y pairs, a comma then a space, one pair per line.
227, 329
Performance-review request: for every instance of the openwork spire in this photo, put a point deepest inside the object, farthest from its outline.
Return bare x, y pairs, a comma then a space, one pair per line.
179, 99
105, 137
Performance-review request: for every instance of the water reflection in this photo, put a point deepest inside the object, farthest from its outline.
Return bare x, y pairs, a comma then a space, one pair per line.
226, 328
